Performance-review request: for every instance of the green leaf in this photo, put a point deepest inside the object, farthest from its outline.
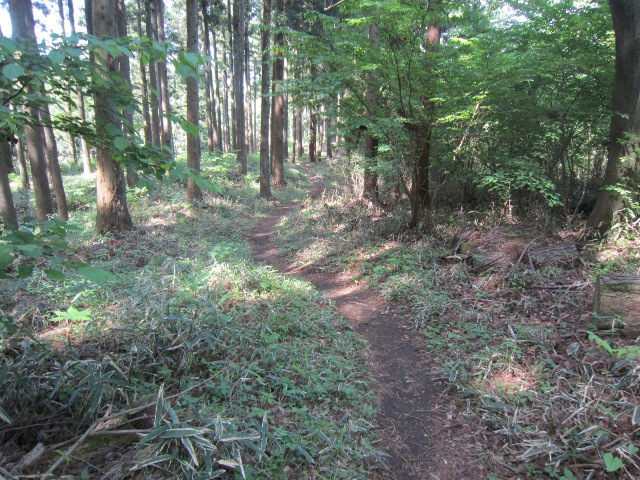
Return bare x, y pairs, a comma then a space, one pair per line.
56, 56
25, 270
54, 274
33, 251
96, 275
121, 143
6, 257
191, 129
612, 463
4, 416
12, 71
153, 460
181, 432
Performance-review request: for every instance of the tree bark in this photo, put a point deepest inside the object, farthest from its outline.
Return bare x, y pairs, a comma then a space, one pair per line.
7, 208
23, 26
112, 210
73, 151
420, 201
193, 111
166, 133
265, 107
53, 163
146, 113
218, 98
251, 143
370, 180
84, 145
209, 90
238, 78
277, 122
22, 164
154, 103
624, 132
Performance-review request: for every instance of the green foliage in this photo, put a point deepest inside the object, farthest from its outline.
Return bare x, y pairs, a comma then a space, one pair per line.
518, 176
44, 245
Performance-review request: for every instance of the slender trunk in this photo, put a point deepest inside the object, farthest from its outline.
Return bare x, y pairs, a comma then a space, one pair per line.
218, 102
277, 122
265, 108
112, 211
228, 132
209, 82
420, 201
238, 70
370, 180
249, 97
146, 114
7, 208
295, 137
73, 152
154, 105
22, 164
312, 135
299, 134
124, 67
193, 141
23, 26
53, 163
84, 145
163, 84
328, 128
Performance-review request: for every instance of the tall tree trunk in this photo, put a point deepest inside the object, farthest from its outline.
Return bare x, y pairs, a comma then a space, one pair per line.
154, 103
124, 66
277, 122
295, 137
328, 129
146, 113
7, 208
218, 98
112, 211
312, 135
251, 143
22, 164
73, 151
299, 142
285, 116
193, 111
420, 201
163, 84
370, 180
84, 145
229, 141
53, 163
624, 135
265, 107
211, 141
23, 26
238, 77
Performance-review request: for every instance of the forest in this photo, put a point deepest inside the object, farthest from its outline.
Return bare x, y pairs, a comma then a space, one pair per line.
320, 239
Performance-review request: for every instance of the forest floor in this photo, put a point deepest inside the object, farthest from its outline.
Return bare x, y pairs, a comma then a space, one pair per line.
479, 338
312, 336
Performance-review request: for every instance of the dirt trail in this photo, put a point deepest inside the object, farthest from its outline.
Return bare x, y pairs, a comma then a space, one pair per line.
403, 385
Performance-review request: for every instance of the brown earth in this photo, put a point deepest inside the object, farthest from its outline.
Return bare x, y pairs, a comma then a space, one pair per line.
423, 429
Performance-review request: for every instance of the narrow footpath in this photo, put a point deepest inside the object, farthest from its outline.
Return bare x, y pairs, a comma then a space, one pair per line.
404, 388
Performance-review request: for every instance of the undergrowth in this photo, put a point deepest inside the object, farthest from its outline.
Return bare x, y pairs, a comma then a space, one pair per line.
518, 344
192, 363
